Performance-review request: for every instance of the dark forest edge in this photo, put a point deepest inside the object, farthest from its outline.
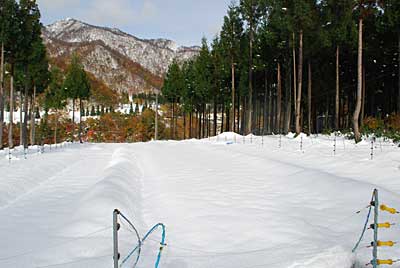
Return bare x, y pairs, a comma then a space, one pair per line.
303, 66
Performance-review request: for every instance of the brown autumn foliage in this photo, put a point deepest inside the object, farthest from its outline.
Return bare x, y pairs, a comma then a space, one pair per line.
117, 127
393, 122
101, 93
373, 123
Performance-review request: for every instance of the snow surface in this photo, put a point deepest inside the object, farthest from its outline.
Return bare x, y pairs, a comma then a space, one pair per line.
227, 201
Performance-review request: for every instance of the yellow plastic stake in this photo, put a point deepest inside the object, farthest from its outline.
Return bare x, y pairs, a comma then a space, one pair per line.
388, 262
386, 243
388, 209
384, 225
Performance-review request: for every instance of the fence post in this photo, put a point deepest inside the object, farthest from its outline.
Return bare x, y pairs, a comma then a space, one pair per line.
280, 141
334, 145
115, 237
376, 211
372, 149
301, 143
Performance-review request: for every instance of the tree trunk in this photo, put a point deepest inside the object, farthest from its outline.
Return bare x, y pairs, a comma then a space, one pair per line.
294, 76
10, 124
398, 68
184, 126
347, 117
176, 120
80, 121
265, 102
279, 100
196, 124
156, 120
199, 123
32, 117
173, 121
289, 101
21, 123
190, 124
73, 119
270, 110
29, 130
215, 115
273, 114
210, 122
337, 99
250, 103
1, 94
309, 98
260, 112
204, 120
233, 97
363, 99
356, 116
26, 105
223, 118
300, 84
238, 113
55, 128
243, 120
227, 116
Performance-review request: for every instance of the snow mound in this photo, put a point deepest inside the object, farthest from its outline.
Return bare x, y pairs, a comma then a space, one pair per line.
120, 188
229, 135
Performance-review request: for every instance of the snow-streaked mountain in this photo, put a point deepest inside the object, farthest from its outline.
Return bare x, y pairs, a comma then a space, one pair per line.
122, 61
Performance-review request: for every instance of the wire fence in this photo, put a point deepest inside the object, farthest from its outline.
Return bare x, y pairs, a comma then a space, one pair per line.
19, 152
175, 255
322, 145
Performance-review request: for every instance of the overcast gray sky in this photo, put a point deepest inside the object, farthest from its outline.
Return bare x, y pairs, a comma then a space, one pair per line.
184, 21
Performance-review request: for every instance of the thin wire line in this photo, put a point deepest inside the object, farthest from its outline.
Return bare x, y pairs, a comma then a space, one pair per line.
55, 245
77, 261
219, 254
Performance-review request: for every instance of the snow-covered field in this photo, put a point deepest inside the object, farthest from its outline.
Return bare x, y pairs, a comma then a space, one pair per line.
224, 203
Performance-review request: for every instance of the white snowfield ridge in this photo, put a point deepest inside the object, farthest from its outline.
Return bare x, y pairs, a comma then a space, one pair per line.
226, 202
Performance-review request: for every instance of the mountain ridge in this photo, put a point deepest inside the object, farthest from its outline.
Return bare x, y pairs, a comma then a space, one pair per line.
124, 62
